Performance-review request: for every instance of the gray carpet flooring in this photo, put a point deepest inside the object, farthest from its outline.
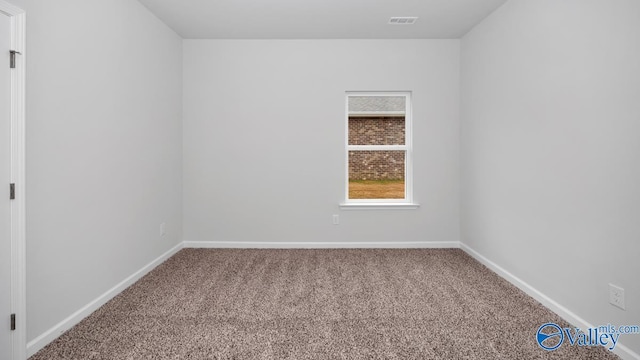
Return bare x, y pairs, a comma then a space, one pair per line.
316, 304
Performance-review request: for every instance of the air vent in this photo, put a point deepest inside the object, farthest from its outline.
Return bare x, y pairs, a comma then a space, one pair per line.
403, 20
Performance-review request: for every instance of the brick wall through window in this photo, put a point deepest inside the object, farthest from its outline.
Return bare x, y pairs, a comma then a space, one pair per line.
376, 165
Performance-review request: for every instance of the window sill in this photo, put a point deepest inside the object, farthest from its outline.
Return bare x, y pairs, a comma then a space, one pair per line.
379, 206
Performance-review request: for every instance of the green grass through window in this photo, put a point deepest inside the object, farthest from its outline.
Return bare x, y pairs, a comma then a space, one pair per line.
376, 189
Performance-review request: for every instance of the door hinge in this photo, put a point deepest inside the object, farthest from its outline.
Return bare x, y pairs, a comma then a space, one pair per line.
12, 191
13, 322
12, 63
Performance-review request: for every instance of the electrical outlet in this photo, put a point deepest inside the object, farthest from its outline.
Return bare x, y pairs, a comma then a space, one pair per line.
336, 219
163, 229
616, 296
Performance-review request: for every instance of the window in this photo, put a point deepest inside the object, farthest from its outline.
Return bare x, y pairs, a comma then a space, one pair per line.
378, 149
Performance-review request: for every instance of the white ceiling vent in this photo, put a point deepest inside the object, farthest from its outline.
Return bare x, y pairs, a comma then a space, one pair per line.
403, 20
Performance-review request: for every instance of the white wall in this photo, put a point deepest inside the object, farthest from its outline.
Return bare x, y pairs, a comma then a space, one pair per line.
551, 151
264, 130
104, 83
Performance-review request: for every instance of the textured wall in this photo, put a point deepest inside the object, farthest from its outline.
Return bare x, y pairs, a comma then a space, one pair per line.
376, 130
376, 165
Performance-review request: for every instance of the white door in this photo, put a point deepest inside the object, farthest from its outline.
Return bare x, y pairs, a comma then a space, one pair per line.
5, 179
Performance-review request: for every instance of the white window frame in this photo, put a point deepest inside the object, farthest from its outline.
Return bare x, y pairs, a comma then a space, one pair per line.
407, 202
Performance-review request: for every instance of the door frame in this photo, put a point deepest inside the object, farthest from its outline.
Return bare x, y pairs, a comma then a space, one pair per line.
18, 169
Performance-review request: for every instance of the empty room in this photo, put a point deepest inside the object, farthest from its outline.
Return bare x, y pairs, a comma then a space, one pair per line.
306, 179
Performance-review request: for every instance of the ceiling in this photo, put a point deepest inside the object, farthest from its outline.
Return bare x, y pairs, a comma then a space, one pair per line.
320, 19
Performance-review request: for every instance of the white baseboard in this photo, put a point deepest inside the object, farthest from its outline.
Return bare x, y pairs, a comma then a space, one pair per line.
48, 336
321, 245
620, 350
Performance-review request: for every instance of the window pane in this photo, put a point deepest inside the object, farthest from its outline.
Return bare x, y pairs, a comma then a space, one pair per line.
380, 130
377, 120
362, 104
376, 174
